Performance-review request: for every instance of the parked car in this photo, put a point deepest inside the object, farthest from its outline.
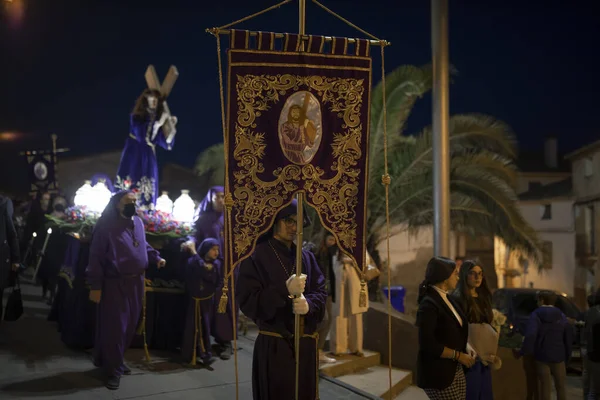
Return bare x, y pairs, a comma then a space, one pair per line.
518, 304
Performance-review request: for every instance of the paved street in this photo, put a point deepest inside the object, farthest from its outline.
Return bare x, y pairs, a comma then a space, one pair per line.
35, 363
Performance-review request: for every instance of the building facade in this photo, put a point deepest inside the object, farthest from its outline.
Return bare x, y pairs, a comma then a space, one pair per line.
585, 164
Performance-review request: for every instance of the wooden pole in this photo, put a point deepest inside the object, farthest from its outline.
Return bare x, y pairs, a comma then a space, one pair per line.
441, 141
300, 225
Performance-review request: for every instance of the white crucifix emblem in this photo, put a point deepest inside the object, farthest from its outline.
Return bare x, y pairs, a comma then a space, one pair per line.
165, 89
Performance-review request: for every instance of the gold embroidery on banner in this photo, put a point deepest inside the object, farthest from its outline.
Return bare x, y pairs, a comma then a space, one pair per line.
322, 45
287, 40
368, 48
345, 46
272, 45
247, 39
233, 39
310, 40
357, 44
335, 198
332, 45
259, 40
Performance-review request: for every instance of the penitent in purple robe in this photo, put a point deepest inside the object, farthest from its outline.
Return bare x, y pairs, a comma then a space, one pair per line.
138, 169
119, 256
209, 223
200, 283
263, 297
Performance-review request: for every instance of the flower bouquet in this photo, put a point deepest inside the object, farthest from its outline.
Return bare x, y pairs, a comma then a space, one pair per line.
76, 219
159, 224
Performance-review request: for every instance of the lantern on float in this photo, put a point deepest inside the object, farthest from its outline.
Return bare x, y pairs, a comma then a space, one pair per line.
183, 208
83, 194
99, 197
164, 203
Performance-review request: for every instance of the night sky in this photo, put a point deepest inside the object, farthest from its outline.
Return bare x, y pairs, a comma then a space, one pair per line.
75, 68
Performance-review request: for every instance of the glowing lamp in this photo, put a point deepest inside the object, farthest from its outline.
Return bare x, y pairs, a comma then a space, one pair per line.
99, 197
83, 194
183, 208
164, 203
49, 231
34, 234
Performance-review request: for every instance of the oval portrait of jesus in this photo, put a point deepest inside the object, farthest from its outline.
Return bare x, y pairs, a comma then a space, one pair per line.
300, 127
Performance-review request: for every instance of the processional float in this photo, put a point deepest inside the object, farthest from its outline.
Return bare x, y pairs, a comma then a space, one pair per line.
295, 121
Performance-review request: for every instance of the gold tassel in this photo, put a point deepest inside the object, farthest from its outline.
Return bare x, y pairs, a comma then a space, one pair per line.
362, 299
223, 301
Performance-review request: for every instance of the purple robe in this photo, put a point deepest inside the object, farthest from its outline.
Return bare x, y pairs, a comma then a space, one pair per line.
209, 223
263, 297
119, 257
222, 324
138, 169
200, 283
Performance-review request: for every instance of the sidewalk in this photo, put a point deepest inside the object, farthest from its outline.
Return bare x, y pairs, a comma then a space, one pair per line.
34, 363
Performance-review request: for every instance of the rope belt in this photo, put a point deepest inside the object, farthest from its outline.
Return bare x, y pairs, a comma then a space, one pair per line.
314, 335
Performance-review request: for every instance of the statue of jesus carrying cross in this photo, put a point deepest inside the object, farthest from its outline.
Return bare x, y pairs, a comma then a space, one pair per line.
151, 125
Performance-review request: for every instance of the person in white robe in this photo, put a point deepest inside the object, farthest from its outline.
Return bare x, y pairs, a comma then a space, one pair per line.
346, 335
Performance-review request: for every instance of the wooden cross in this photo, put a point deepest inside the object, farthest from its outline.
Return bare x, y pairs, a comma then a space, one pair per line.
165, 89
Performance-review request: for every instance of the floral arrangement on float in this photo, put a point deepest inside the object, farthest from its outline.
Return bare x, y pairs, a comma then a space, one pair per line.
90, 202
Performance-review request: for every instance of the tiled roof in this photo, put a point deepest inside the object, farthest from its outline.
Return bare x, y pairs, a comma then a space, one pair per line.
562, 188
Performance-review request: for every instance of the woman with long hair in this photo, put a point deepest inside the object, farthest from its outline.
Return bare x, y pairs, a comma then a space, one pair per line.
475, 299
443, 334
325, 255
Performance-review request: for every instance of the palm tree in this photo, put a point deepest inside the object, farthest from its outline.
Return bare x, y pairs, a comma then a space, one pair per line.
210, 161
482, 169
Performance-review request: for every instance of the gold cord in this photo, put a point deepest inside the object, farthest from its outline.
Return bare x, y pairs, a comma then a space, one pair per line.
249, 16
383, 42
386, 180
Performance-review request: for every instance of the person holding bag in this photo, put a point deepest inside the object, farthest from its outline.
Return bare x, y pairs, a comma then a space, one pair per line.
474, 297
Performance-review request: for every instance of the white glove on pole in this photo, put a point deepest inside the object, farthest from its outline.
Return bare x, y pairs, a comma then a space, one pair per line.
300, 305
295, 285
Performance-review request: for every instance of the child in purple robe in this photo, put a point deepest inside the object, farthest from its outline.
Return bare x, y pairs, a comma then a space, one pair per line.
138, 169
209, 223
119, 257
200, 282
270, 293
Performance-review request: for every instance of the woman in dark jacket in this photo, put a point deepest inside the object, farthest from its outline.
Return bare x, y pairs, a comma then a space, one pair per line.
443, 334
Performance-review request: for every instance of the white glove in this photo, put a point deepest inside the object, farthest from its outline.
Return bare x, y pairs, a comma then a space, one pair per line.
295, 285
300, 305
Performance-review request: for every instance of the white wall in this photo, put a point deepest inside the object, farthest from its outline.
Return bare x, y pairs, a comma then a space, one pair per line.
409, 254
562, 215
562, 274
583, 186
560, 230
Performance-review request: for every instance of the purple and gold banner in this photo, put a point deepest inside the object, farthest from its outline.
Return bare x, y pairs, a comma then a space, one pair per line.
297, 121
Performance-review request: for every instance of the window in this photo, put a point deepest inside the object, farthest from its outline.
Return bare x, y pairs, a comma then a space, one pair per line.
547, 255
588, 167
546, 211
